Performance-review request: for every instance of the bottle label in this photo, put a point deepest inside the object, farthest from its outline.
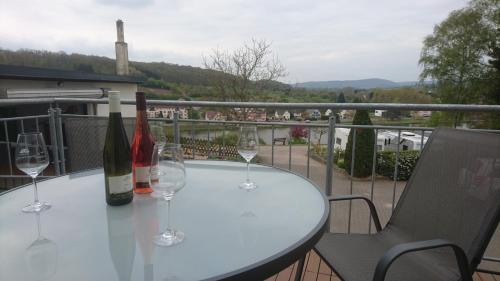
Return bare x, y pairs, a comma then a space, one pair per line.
120, 184
142, 174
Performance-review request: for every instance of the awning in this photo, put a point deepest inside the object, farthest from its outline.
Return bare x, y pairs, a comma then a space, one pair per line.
52, 93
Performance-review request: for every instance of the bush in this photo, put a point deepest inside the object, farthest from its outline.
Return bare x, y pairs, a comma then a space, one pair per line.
364, 147
229, 139
298, 141
406, 163
338, 155
299, 132
341, 164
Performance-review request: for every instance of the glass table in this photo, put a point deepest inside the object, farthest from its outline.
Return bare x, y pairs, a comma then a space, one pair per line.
231, 234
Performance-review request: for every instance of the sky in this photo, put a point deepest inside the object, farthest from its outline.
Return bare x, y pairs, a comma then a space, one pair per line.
314, 39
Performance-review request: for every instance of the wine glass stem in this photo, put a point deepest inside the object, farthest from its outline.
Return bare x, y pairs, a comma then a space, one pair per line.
168, 215
35, 189
248, 171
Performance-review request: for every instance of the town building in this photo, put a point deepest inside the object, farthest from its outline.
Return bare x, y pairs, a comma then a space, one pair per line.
159, 111
314, 114
380, 113
286, 115
214, 116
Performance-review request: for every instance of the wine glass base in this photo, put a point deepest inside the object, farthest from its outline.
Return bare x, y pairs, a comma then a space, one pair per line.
36, 207
169, 238
247, 185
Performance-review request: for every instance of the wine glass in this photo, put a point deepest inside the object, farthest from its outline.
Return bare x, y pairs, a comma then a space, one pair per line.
32, 158
248, 145
168, 176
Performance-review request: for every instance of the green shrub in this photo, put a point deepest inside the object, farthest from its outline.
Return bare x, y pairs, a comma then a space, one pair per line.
341, 164
229, 139
298, 141
406, 163
364, 147
338, 155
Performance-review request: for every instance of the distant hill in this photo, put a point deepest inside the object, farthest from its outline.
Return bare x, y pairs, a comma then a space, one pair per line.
170, 73
358, 84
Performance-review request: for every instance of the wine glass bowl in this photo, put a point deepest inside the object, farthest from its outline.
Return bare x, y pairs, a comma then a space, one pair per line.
248, 146
168, 176
32, 158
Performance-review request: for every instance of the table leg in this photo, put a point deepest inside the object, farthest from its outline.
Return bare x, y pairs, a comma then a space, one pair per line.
300, 269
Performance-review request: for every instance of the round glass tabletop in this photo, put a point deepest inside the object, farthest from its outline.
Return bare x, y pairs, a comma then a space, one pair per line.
230, 233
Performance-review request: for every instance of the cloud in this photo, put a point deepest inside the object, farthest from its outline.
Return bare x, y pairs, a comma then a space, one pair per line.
316, 40
126, 3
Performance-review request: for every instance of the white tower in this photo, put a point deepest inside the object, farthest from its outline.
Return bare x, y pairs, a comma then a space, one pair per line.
121, 50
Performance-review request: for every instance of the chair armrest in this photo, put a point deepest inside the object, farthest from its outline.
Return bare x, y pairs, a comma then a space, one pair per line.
393, 253
373, 211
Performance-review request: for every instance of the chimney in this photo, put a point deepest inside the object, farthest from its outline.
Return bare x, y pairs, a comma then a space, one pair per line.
121, 50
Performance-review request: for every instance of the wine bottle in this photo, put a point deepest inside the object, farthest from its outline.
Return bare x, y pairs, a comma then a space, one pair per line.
117, 161
142, 147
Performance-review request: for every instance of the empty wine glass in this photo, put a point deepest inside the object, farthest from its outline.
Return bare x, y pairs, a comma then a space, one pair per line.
32, 158
168, 176
248, 146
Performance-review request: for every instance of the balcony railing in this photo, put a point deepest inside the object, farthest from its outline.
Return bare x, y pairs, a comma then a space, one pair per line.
75, 143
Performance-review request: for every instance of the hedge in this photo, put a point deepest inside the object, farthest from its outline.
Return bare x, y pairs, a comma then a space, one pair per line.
406, 163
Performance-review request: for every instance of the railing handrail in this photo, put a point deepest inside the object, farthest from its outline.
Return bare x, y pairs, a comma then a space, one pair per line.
274, 105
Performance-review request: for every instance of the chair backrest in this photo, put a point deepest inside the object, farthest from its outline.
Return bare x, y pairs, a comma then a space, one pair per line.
454, 192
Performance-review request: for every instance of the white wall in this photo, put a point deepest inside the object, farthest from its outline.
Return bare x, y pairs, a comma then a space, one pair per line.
343, 135
127, 90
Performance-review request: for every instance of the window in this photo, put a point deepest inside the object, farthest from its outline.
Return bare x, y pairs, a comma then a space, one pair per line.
338, 141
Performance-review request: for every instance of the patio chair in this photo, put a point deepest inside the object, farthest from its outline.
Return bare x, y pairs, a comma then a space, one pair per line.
442, 224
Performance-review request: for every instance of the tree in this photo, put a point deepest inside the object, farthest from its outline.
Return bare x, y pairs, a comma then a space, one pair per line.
363, 146
243, 72
341, 98
193, 114
456, 54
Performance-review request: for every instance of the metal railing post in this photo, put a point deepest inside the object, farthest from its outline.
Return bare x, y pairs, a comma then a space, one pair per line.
330, 151
60, 140
177, 136
272, 145
329, 161
53, 141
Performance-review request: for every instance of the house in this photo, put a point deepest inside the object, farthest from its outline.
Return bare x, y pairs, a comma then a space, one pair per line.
314, 114
286, 115
257, 115
422, 113
380, 113
346, 114
214, 115
167, 112
23, 82
297, 115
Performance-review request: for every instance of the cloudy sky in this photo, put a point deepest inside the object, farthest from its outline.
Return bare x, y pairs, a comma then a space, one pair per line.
315, 40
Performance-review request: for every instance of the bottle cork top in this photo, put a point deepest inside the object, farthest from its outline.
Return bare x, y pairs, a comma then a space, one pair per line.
140, 101
114, 102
